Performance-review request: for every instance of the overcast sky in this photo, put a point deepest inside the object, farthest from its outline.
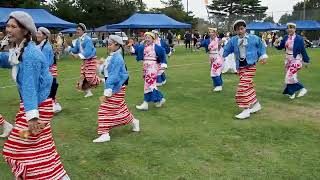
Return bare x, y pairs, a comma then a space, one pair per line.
278, 7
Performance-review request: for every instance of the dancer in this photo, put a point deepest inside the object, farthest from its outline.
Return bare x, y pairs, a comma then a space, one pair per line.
295, 56
7, 127
152, 56
113, 110
248, 49
85, 50
161, 78
43, 41
229, 63
212, 46
33, 156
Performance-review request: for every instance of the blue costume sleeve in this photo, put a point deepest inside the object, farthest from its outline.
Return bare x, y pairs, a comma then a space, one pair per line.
228, 48
282, 43
304, 54
4, 60
88, 48
139, 50
76, 48
165, 46
29, 94
48, 53
113, 72
205, 43
161, 54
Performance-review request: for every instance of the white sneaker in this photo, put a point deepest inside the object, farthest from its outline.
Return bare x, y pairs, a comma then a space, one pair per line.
7, 128
217, 89
244, 114
88, 94
256, 107
302, 92
144, 106
292, 96
102, 138
135, 125
164, 82
159, 104
57, 108
103, 80
66, 177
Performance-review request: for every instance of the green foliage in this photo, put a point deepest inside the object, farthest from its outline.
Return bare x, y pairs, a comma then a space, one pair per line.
269, 19
228, 11
312, 12
20, 3
95, 13
175, 10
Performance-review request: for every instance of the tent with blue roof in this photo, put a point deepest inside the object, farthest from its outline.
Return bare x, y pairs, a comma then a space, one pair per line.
148, 21
41, 17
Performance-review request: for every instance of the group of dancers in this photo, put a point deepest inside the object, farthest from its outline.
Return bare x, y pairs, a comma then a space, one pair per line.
30, 150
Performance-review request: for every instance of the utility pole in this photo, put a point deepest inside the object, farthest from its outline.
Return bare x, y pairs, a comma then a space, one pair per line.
188, 6
304, 10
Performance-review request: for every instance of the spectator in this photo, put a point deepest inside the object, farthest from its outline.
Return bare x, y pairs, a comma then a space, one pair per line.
187, 39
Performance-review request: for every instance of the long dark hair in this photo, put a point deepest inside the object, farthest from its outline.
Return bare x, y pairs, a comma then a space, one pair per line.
122, 49
28, 37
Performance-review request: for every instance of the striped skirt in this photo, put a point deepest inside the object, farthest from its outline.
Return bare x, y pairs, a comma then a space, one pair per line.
88, 76
54, 70
246, 95
1, 120
113, 112
36, 157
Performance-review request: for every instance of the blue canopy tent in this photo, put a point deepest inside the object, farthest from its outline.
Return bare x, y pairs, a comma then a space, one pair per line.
72, 30
41, 17
105, 29
143, 21
262, 26
303, 25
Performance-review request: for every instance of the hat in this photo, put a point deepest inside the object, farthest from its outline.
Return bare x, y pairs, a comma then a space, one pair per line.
291, 25
82, 26
44, 31
238, 23
212, 29
155, 31
150, 34
115, 38
25, 19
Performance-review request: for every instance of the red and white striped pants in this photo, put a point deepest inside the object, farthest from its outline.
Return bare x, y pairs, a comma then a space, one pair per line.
36, 157
88, 75
246, 95
1, 119
113, 112
54, 70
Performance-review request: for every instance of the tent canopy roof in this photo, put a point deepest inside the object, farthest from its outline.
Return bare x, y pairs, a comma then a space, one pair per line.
41, 17
140, 21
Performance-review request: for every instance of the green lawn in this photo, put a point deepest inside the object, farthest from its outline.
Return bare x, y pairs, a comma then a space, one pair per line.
195, 135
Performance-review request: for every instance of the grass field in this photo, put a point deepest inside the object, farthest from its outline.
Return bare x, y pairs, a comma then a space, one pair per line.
195, 135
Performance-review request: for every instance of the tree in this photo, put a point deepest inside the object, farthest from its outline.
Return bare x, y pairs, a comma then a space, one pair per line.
268, 19
230, 10
285, 18
175, 10
95, 13
20, 3
312, 12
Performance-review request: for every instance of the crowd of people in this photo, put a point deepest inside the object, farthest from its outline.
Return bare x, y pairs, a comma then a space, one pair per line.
30, 149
